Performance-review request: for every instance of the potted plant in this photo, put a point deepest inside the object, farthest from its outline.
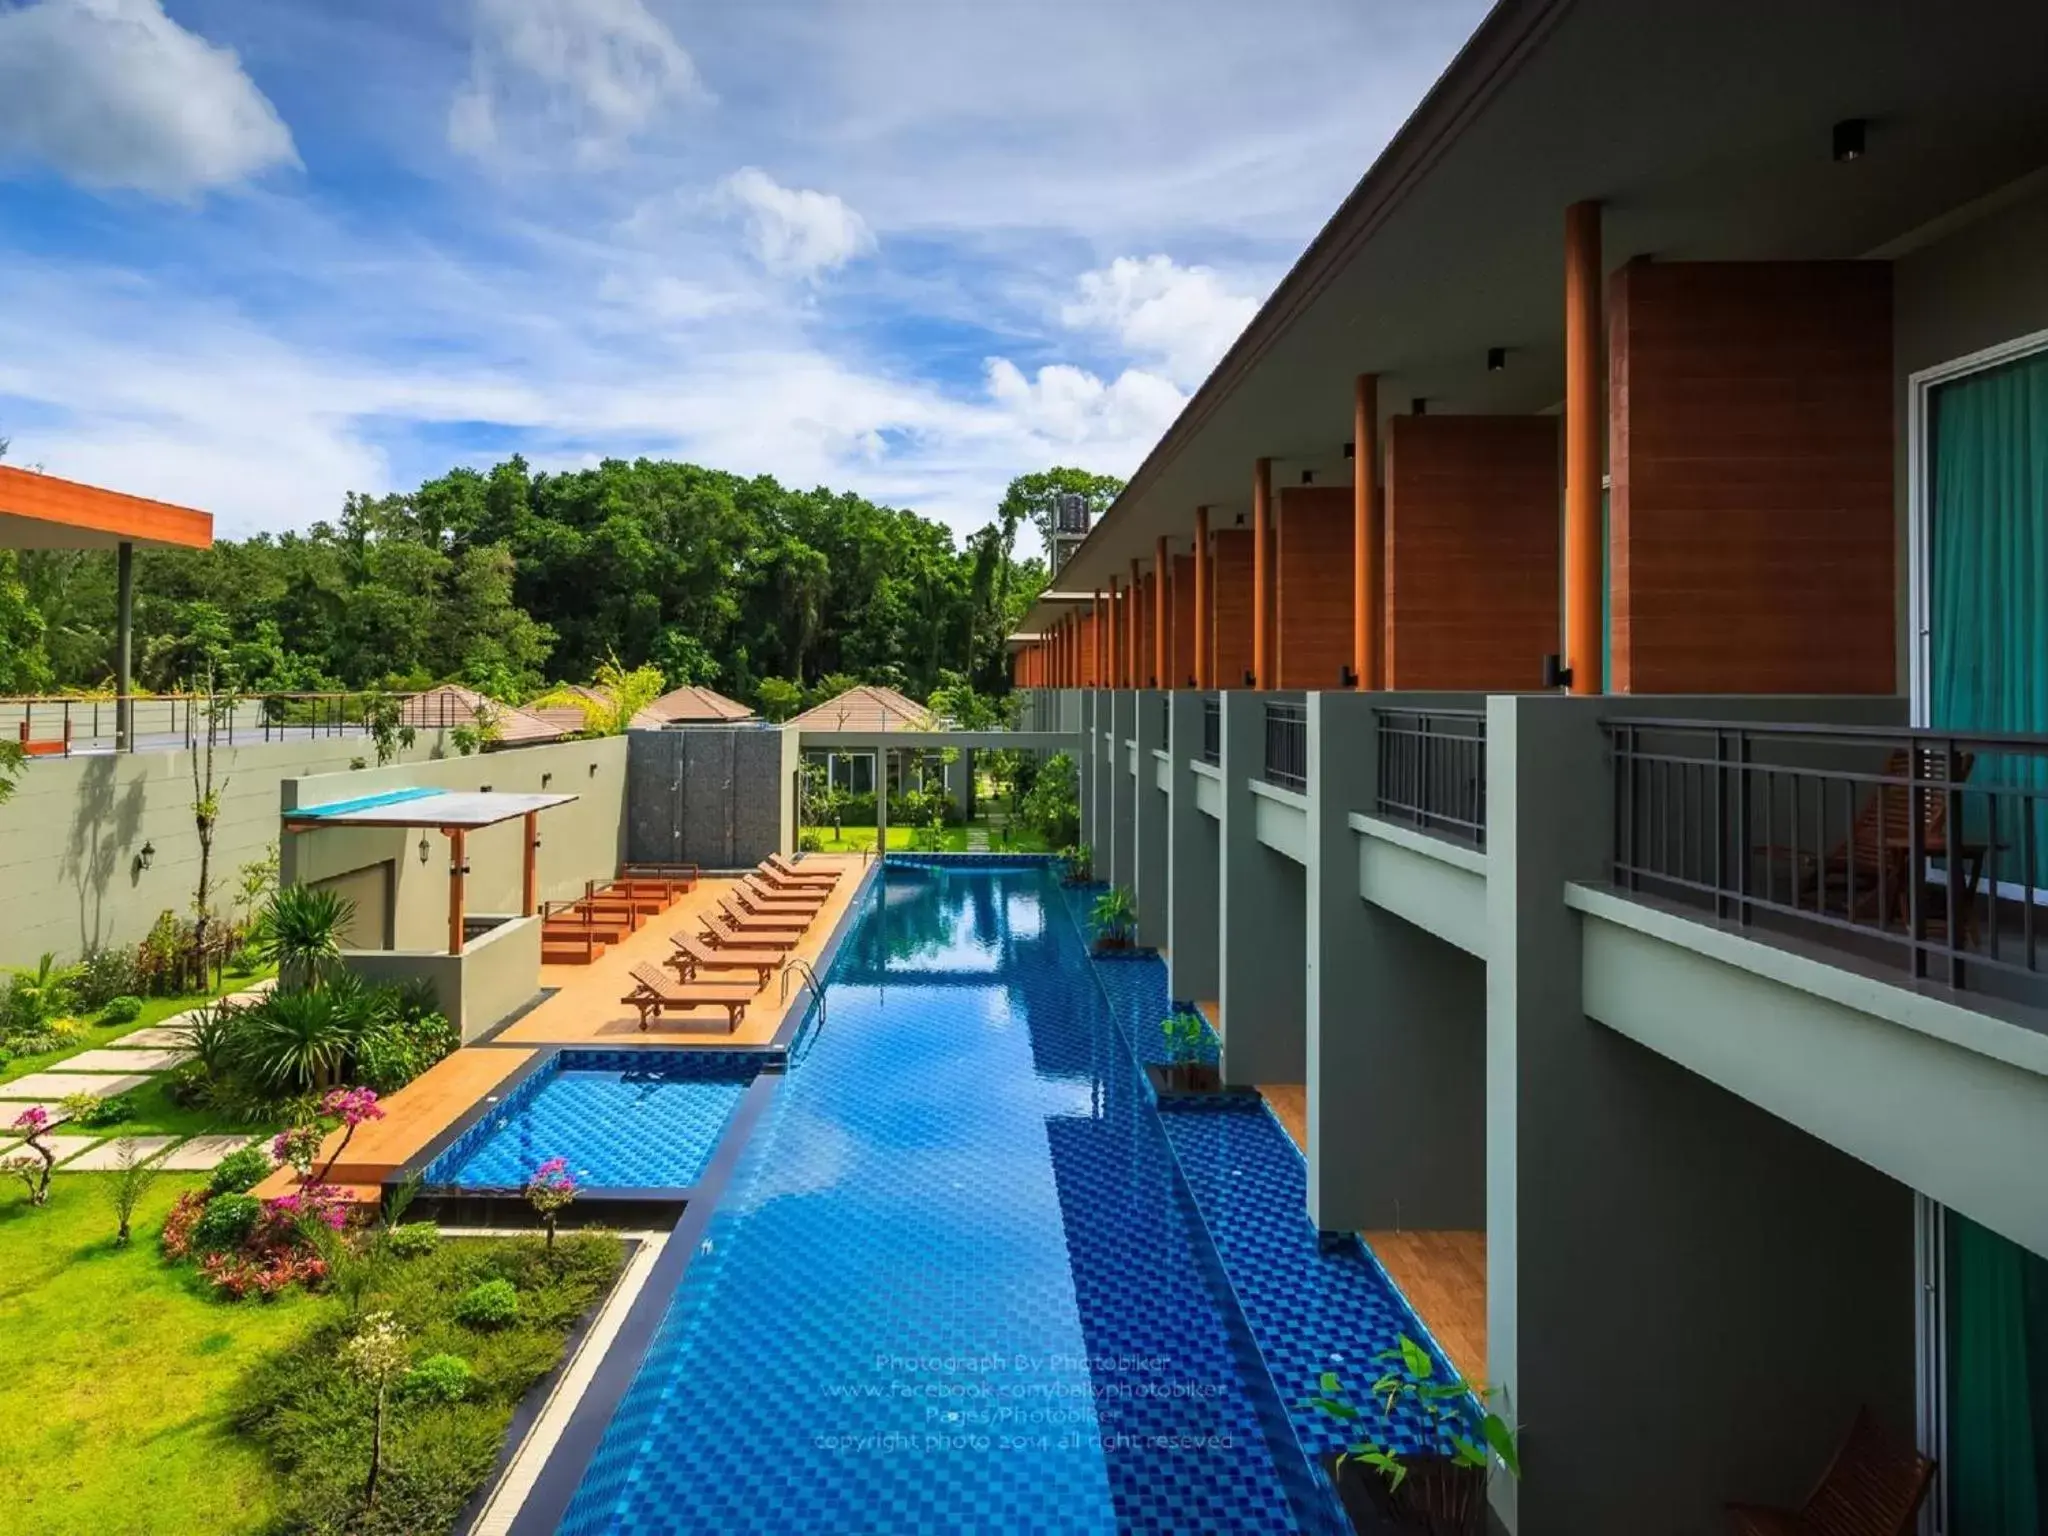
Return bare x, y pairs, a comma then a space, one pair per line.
1077, 864
1115, 916
1439, 1490
1186, 1070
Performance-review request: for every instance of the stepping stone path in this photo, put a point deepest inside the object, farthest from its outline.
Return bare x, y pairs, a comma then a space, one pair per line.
168, 1033
106, 1156
65, 1147
977, 839
122, 1058
55, 1085
203, 1153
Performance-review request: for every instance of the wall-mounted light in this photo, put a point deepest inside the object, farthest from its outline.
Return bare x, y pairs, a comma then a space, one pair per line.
1419, 406
1240, 519
1555, 673
426, 848
1308, 477
1848, 136
593, 770
1351, 450
546, 779
1346, 678
483, 789
1496, 359
146, 857
1249, 680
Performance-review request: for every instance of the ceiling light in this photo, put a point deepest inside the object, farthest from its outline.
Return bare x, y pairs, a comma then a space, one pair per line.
1496, 359
1308, 477
1351, 450
1419, 406
1849, 138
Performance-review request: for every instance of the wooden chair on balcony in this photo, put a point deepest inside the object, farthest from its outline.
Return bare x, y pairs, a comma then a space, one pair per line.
1865, 876
1873, 1487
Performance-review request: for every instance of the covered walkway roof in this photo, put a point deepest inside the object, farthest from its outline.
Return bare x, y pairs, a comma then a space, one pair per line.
43, 512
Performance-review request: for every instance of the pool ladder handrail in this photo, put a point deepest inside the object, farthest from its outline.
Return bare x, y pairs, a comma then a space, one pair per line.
810, 980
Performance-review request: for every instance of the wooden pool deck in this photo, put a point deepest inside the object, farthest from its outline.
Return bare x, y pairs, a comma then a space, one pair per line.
582, 1006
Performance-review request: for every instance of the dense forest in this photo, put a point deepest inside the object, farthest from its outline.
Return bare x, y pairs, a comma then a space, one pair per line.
509, 580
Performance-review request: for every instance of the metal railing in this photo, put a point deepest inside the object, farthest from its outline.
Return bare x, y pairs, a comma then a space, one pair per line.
1287, 746
61, 724
1432, 771
1925, 846
1212, 731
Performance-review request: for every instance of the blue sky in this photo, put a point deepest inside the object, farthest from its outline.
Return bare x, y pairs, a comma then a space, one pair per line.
258, 253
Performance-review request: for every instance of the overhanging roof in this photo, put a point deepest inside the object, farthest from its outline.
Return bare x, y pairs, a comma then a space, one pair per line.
1702, 126
44, 512
450, 808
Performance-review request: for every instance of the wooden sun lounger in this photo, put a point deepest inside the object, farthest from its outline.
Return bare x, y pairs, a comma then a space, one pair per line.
693, 956
721, 932
789, 871
654, 991
767, 897
764, 922
681, 877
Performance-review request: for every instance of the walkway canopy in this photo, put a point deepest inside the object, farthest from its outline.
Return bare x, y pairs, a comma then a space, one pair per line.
455, 814
43, 512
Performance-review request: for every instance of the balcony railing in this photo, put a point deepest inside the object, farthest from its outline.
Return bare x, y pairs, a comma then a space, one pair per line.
60, 725
1432, 771
1922, 847
1287, 746
1212, 731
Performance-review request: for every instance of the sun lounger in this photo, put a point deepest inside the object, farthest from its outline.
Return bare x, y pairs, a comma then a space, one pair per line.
755, 921
681, 877
762, 895
653, 992
692, 957
789, 871
721, 932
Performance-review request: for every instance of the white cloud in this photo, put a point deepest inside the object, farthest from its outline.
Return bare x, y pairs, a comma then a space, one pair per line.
599, 71
792, 232
1181, 319
114, 94
1073, 408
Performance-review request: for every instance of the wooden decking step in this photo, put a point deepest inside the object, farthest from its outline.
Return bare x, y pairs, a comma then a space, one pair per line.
569, 954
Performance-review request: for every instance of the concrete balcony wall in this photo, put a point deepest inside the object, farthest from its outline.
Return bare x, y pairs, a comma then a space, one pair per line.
1262, 984
1151, 818
1193, 858
496, 975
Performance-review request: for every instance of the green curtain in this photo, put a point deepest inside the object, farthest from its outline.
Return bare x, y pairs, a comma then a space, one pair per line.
1997, 1300
1988, 582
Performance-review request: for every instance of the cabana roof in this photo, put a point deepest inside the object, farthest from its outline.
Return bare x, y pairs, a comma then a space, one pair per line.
44, 512
446, 808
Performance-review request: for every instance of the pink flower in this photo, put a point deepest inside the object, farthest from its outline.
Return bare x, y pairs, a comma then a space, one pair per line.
33, 1120
352, 1106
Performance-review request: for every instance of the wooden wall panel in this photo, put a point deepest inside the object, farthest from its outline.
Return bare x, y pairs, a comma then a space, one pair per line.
1231, 642
1088, 678
1473, 529
1180, 645
1313, 557
1751, 533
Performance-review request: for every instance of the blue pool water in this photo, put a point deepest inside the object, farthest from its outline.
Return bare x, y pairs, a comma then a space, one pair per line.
955, 1283
648, 1119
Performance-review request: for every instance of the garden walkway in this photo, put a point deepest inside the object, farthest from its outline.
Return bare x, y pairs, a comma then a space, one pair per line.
118, 1067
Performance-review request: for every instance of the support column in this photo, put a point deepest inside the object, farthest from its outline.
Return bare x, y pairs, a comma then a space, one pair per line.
1585, 429
529, 883
1366, 539
1123, 785
1263, 675
1263, 988
1151, 824
1101, 637
1134, 620
1162, 616
1084, 762
1205, 622
124, 646
1193, 873
882, 803
458, 870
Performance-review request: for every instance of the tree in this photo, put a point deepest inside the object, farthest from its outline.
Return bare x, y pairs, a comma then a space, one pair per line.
133, 1177
778, 698
206, 799
377, 1353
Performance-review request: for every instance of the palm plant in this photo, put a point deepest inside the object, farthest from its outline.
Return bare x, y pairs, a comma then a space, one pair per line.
299, 932
1115, 914
296, 1042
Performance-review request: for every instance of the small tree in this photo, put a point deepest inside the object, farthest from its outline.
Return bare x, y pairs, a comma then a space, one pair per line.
134, 1174
378, 1353
550, 1192
352, 1107
384, 718
206, 801
36, 1160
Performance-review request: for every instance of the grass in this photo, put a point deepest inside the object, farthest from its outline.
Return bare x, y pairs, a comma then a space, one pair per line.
121, 1373
901, 839
154, 1011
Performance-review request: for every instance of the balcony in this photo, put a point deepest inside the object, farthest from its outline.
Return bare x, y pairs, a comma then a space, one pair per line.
1432, 772
1915, 850
1287, 746
1212, 731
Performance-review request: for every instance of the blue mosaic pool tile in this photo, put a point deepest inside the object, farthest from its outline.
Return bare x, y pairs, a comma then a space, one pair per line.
623, 1119
932, 1242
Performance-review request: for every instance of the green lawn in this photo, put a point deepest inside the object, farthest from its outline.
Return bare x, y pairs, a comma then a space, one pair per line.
120, 1371
901, 839
154, 1011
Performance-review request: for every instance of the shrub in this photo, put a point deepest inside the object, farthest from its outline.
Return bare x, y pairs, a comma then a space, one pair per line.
125, 1009
811, 841
493, 1304
437, 1379
246, 960
299, 931
390, 1055
414, 1240
240, 1172
105, 975
89, 1111
226, 1223
176, 1237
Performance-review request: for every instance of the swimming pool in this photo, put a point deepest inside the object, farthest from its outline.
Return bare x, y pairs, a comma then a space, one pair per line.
955, 1282
623, 1119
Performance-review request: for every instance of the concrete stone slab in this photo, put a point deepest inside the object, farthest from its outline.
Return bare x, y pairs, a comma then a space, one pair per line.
165, 1034
203, 1153
64, 1146
106, 1157
10, 1110
55, 1085
121, 1059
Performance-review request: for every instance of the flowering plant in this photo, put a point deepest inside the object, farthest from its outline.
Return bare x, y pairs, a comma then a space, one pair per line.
550, 1191
34, 1161
186, 1210
298, 1145
309, 1202
378, 1353
237, 1276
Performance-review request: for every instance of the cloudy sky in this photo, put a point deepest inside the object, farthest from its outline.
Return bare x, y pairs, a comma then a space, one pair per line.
257, 253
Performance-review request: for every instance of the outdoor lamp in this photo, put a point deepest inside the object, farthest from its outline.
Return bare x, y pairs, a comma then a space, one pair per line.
146, 857
426, 848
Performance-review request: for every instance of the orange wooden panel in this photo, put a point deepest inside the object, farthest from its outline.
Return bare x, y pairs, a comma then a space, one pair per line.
1313, 557
1751, 527
43, 512
1180, 642
1472, 518
1230, 567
